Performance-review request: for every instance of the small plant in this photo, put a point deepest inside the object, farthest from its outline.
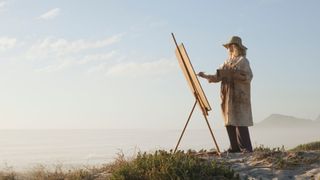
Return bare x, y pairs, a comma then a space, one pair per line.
165, 165
280, 159
8, 173
313, 146
262, 148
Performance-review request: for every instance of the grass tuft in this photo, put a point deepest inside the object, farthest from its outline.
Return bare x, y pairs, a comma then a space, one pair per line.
313, 146
167, 165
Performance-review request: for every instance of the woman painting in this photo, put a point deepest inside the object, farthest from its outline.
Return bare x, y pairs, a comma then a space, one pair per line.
235, 76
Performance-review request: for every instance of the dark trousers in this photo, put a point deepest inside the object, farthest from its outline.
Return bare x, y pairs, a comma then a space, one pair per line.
239, 138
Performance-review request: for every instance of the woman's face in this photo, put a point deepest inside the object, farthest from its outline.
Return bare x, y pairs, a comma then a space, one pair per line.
233, 50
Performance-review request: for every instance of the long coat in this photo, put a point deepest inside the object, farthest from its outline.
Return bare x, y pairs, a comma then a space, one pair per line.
235, 92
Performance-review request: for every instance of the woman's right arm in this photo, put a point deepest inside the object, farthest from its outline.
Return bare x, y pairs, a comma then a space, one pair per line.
211, 78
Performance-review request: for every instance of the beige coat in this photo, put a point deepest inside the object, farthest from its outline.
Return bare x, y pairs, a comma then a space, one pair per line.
235, 92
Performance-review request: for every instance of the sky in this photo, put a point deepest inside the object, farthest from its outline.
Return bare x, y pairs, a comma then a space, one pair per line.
111, 64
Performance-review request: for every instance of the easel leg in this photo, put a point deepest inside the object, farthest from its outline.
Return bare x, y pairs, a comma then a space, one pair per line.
185, 126
214, 139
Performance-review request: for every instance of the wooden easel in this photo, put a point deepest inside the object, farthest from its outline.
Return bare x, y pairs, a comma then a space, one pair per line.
197, 90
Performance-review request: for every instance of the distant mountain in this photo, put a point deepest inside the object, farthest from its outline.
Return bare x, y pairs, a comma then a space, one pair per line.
278, 120
318, 119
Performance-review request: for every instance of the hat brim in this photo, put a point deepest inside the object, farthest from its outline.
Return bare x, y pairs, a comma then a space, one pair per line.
240, 45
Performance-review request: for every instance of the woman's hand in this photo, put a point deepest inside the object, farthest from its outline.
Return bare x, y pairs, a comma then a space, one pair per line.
210, 78
202, 74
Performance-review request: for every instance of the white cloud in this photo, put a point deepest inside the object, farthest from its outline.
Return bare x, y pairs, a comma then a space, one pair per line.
69, 61
55, 54
57, 67
7, 43
99, 68
59, 47
51, 14
97, 57
133, 69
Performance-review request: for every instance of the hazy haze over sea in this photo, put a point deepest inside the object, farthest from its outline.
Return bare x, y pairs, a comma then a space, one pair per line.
25, 149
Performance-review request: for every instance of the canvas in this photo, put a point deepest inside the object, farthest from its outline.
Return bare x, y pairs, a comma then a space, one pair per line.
192, 79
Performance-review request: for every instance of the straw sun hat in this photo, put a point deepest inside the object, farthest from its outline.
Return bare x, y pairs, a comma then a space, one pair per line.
235, 40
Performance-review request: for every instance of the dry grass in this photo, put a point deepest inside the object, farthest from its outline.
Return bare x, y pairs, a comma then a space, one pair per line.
279, 158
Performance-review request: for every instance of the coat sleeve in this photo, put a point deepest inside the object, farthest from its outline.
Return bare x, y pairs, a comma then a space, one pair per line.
213, 78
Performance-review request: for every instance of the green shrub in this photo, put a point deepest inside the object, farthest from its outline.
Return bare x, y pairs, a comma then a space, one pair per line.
280, 159
7, 175
167, 165
262, 148
313, 146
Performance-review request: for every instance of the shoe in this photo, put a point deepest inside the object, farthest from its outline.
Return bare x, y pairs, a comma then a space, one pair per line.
233, 151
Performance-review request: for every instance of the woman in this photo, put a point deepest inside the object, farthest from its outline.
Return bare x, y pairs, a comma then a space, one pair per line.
235, 76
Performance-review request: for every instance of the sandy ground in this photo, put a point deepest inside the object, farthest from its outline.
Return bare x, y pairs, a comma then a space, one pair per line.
275, 165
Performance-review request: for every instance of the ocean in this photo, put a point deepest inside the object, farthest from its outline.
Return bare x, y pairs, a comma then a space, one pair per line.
27, 149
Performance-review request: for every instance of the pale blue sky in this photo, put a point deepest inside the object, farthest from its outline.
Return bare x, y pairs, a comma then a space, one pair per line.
111, 63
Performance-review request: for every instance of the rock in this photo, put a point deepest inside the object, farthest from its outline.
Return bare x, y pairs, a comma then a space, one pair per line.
279, 165
313, 173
